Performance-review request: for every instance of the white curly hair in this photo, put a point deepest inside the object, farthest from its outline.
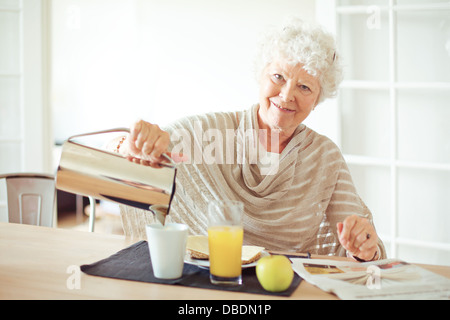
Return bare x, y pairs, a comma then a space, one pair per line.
308, 44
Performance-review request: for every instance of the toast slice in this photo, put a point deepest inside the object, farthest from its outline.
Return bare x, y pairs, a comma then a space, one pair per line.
251, 254
197, 247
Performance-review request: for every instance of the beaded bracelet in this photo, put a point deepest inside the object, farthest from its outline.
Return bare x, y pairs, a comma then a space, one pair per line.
119, 144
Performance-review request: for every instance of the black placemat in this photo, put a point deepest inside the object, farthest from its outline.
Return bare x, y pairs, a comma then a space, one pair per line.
133, 263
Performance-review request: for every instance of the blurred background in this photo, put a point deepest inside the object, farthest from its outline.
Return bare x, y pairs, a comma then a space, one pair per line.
75, 66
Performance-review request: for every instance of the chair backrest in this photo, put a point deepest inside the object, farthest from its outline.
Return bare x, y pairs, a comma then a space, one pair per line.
31, 198
134, 221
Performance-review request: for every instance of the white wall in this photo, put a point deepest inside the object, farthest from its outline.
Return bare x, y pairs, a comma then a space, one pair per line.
114, 61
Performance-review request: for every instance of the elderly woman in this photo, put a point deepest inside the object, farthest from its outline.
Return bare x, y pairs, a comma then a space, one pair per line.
295, 185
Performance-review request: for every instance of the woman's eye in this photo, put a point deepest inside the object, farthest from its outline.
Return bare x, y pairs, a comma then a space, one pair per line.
278, 77
304, 88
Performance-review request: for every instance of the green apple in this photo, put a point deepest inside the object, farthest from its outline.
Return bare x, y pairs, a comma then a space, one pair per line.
274, 273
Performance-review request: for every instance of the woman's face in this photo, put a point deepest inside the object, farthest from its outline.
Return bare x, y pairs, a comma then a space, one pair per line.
287, 96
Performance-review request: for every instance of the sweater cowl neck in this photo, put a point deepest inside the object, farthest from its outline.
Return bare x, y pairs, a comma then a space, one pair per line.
271, 183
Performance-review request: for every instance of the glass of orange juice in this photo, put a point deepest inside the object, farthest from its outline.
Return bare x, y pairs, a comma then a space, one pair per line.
225, 237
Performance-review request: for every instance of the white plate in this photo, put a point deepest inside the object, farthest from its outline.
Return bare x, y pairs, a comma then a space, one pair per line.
205, 263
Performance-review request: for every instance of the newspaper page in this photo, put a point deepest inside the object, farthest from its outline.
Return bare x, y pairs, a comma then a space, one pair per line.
380, 280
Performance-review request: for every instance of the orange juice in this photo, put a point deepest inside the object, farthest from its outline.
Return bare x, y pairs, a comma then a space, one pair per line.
225, 250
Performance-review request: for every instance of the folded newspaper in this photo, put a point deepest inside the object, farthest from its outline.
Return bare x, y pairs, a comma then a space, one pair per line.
384, 279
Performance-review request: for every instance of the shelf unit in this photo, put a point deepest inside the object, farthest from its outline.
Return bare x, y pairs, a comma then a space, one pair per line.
24, 109
391, 87
14, 11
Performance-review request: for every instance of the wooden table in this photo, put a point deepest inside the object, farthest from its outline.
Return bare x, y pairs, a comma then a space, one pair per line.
43, 263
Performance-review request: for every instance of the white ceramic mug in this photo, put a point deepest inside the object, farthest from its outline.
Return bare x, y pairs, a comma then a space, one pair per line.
167, 245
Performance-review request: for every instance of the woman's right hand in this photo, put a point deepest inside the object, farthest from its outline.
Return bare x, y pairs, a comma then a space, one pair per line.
147, 142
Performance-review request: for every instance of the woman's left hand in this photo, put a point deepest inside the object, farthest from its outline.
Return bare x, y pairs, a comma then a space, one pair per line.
358, 236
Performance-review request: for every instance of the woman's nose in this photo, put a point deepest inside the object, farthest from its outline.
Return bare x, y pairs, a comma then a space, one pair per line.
287, 93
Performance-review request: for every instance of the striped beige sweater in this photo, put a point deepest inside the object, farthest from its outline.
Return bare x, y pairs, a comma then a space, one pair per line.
295, 209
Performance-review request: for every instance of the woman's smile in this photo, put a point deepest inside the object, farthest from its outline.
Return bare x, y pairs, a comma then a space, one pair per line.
282, 109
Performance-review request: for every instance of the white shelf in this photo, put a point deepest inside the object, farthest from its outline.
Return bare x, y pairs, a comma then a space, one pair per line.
385, 85
387, 239
368, 85
10, 75
359, 9
424, 244
10, 9
11, 140
423, 7
398, 8
385, 162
